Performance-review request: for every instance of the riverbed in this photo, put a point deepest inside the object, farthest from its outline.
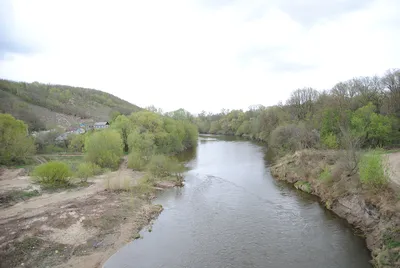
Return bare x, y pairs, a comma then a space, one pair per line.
232, 213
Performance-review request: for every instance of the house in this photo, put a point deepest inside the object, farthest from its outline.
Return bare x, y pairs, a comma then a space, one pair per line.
101, 125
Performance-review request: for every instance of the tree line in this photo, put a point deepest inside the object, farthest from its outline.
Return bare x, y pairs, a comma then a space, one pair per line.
365, 110
141, 134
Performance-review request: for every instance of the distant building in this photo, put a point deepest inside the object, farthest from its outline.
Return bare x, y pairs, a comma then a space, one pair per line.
101, 125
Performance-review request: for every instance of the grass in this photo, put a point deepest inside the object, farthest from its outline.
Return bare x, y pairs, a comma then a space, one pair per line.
391, 238
303, 185
17, 196
118, 183
326, 174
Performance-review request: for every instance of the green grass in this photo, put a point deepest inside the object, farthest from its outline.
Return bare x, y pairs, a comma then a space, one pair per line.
391, 238
303, 185
325, 175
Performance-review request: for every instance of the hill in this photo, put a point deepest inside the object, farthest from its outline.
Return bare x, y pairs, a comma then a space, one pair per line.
46, 106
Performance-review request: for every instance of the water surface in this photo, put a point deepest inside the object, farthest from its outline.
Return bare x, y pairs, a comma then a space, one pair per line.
232, 213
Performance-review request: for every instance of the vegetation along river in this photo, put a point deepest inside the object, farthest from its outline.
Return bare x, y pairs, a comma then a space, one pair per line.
232, 213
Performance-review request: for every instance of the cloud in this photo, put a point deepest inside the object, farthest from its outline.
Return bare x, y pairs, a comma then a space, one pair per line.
311, 12
12, 37
199, 54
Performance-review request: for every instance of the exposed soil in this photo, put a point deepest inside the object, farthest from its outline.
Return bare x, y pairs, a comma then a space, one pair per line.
78, 227
394, 168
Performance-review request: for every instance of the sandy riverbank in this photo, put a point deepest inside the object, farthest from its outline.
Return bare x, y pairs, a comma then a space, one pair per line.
77, 227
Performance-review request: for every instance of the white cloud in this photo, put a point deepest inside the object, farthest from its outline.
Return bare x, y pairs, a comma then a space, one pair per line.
179, 54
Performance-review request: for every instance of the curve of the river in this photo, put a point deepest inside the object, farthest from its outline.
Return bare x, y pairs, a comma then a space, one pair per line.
232, 213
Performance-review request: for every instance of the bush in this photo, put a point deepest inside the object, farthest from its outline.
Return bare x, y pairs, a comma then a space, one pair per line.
104, 148
87, 170
136, 161
330, 141
161, 166
290, 138
372, 170
54, 174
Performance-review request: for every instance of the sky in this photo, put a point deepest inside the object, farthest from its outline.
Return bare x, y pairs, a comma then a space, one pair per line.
198, 54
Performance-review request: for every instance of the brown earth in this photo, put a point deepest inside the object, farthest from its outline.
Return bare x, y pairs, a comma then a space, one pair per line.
375, 212
78, 227
394, 169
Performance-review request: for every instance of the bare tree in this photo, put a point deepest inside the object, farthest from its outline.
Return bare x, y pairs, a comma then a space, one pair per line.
351, 154
391, 82
302, 102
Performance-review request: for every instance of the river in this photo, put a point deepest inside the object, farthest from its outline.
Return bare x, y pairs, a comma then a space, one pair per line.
232, 213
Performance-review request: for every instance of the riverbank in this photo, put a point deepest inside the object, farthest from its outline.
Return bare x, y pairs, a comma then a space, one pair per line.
375, 212
76, 227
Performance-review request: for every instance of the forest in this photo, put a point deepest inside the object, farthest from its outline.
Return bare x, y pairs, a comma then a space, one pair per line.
363, 112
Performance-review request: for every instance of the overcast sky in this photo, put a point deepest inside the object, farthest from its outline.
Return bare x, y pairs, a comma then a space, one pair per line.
198, 54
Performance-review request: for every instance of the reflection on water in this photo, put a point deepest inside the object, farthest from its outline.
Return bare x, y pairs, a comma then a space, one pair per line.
231, 213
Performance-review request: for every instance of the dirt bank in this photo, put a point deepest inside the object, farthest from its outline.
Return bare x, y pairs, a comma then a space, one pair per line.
375, 212
78, 227
394, 169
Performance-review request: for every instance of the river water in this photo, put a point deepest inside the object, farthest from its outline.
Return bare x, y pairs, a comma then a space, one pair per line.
232, 213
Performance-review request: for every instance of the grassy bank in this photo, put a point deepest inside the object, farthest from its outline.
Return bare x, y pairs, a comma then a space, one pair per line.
371, 206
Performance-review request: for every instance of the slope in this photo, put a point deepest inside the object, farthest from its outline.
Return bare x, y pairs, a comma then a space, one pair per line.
46, 105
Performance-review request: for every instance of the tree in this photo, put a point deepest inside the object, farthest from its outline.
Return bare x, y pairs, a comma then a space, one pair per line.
104, 148
16, 146
114, 115
124, 126
77, 143
142, 143
391, 81
302, 102
373, 129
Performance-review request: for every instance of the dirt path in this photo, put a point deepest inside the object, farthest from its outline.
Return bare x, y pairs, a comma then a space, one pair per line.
79, 227
394, 168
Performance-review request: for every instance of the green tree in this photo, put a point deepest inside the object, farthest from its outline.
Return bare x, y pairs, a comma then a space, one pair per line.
77, 143
142, 143
104, 148
372, 128
124, 126
16, 146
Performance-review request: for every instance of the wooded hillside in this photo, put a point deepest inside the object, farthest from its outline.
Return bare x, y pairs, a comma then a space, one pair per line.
45, 106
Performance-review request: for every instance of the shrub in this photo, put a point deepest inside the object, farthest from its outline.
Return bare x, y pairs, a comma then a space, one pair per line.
54, 174
104, 148
87, 170
330, 141
162, 166
290, 138
372, 170
136, 161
